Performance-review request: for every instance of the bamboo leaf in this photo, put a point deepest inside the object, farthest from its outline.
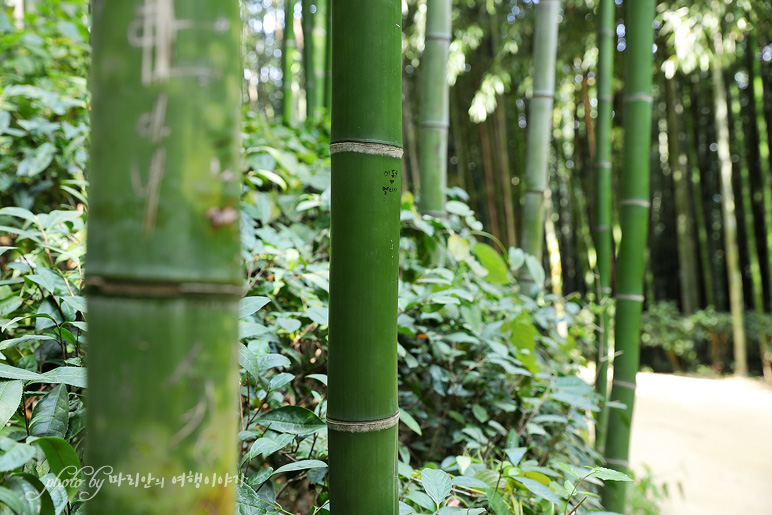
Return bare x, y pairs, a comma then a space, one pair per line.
50, 416
292, 420
62, 460
10, 397
437, 484
300, 465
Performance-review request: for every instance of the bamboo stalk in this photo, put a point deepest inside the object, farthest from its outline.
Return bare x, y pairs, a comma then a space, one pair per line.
632, 249
539, 132
366, 149
164, 273
288, 59
319, 60
434, 108
603, 247
728, 208
308, 59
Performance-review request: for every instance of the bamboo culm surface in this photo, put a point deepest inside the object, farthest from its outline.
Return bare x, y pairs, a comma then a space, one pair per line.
632, 248
164, 271
366, 149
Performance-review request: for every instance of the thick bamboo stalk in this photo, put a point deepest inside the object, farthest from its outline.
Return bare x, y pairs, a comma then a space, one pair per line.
164, 271
288, 59
319, 37
605, 257
728, 208
687, 256
366, 150
632, 250
434, 109
539, 132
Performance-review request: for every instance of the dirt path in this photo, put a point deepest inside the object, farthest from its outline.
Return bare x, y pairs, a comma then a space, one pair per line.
712, 436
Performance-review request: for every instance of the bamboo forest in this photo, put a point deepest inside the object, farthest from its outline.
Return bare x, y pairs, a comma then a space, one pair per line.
385, 257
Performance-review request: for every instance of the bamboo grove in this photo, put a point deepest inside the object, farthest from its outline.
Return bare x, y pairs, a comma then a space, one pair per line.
617, 154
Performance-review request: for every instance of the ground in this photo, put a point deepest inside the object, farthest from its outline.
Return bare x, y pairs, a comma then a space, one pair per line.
713, 436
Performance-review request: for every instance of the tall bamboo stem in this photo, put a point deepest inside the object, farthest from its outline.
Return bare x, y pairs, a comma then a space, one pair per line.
539, 132
632, 250
366, 149
164, 271
288, 59
603, 247
319, 59
435, 108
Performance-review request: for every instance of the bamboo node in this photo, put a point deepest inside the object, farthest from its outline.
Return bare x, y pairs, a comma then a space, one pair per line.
636, 202
618, 463
639, 97
363, 147
367, 426
627, 385
630, 296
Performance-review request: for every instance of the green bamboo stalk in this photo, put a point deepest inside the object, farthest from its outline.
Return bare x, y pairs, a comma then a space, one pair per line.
687, 255
632, 248
539, 132
502, 147
319, 37
164, 274
366, 149
288, 59
434, 109
728, 208
328, 60
307, 22
605, 258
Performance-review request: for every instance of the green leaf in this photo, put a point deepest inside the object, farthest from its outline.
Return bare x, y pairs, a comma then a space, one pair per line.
574, 400
41, 496
458, 208
250, 305
493, 263
319, 315
568, 469
322, 378
535, 269
29, 496
62, 460
538, 489
248, 503
13, 501
248, 361
422, 500
458, 247
300, 465
609, 474
280, 380
407, 419
56, 491
38, 161
14, 454
288, 324
405, 509
73, 376
10, 372
266, 446
437, 484
10, 397
470, 482
291, 419
496, 503
18, 212
515, 454
50, 417
272, 361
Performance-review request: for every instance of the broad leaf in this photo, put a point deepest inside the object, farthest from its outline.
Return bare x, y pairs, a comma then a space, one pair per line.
292, 420
10, 397
14, 454
73, 376
437, 484
50, 417
12, 500
248, 503
496, 503
250, 305
62, 460
492, 262
300, 465
609, 474
538, 489
407, 419
10, 372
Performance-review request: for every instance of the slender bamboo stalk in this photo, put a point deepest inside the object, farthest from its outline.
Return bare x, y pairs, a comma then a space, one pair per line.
502, 146
288, 59
408, 130
366, 150
328, 60
164, 271
687, 256
728, 208
319, 37
308, 58
632, 249
435, 109
490, 183
605, 256
539, 132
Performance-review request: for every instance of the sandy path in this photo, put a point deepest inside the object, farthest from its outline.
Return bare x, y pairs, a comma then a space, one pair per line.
712, 436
